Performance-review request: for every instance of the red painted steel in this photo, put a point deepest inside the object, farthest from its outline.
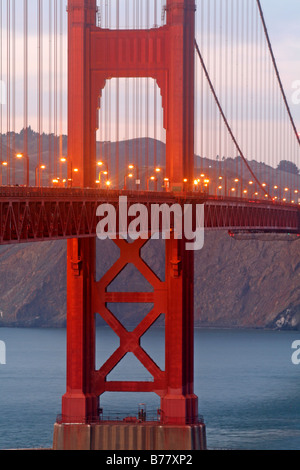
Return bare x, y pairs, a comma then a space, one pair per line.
40, 214
96, 55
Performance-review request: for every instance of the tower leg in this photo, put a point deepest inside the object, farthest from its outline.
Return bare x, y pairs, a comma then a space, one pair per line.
79, 405
180, 404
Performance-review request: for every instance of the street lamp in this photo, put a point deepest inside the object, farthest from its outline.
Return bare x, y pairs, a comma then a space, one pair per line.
5, 165
20, 156
286, 190
100, 163
103, 166
38, 178
61, 161
151, 178
137, 177
166, 183
218, 189
125, 179
105, 172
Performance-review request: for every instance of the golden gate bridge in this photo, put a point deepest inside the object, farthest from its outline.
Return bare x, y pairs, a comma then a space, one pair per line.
163, 102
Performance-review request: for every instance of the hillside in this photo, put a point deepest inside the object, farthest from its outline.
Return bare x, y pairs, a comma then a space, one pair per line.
238, 284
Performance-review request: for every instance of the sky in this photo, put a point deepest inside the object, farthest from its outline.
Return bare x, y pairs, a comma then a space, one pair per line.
282, 18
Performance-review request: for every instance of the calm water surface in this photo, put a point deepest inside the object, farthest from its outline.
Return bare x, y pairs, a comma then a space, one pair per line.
248, 387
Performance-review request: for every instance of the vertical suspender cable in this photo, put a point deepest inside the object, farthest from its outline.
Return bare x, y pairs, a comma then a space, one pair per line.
226, 140
202, 93
61, 81
155, 101
117, 138
50, 95
221, 32
8, 158
214, 130
237, 77
13, 92
1, 94
127, 110
147, 104
109, 84
25, 143
55, 153
208, 117
40, 89
242, 97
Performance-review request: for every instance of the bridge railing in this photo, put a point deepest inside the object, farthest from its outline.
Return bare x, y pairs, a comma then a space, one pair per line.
115, 416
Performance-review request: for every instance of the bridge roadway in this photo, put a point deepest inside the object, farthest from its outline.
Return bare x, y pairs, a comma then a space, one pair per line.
29, 214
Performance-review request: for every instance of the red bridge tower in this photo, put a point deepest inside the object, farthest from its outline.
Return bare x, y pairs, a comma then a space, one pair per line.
96, 55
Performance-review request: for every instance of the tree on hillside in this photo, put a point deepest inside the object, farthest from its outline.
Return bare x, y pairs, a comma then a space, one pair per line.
288, 167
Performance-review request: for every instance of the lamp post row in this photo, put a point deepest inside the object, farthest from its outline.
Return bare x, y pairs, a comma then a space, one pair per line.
202, 183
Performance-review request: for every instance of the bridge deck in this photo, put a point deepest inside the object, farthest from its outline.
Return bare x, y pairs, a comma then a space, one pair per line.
40, 214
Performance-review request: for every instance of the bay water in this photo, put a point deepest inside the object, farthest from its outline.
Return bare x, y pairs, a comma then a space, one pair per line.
247, 385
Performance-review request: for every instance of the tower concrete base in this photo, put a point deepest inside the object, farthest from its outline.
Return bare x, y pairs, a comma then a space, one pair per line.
125, 436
